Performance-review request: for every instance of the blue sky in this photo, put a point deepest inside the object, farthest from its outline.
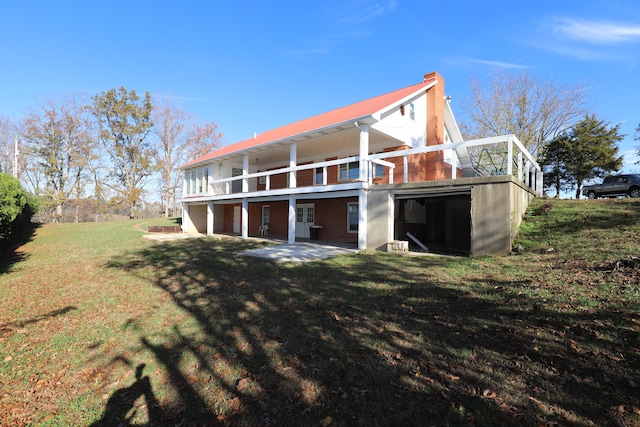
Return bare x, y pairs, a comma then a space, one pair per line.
254, 65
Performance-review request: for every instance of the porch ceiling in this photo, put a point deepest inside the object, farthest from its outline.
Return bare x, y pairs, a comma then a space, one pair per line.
338, 141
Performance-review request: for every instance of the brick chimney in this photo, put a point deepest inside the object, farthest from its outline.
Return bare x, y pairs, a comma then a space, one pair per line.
435, 110
435, 165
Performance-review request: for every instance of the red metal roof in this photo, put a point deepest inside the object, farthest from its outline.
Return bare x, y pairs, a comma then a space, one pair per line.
346, 114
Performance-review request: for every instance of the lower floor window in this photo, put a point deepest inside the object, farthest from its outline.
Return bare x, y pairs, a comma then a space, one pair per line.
353, 216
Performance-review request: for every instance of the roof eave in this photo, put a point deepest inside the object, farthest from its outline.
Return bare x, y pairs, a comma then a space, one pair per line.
368, 119
378, 114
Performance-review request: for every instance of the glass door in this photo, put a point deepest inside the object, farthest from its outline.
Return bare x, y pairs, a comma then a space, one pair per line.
305, 216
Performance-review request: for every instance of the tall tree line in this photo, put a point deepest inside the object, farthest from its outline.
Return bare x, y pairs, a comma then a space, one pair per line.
111, 151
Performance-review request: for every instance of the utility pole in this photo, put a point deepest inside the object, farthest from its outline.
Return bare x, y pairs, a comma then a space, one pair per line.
15, 159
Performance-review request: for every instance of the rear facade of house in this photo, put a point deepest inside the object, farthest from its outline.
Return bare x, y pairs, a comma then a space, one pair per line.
393, 167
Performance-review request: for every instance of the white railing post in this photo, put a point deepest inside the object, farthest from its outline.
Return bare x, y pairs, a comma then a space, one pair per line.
520, 169
510, 156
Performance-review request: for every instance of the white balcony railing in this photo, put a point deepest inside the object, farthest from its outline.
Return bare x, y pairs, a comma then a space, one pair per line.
513, 155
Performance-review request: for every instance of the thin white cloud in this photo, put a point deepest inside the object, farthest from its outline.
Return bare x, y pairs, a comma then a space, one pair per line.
489, 63
499, 64
582, 53
598, 32
353, 17
341, 21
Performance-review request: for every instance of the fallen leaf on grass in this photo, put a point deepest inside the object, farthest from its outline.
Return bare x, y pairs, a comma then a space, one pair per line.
488, 394
325, 422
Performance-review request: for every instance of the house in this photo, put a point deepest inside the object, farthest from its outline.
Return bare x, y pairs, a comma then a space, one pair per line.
393, 167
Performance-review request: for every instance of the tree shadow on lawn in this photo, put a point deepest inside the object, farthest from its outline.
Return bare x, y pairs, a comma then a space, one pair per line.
366, 340
8, 327
9, 249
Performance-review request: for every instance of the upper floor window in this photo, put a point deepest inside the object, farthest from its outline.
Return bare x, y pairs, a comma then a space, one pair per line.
412, 111
197, 180
349, 171
236, 184
378, 170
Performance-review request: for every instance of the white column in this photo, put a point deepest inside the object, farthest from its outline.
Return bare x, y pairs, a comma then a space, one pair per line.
391, 206
291, 235
186, 220
362, 219
405, 163
293, 159
245, 171
364, 153
453, 164
245, 218
209, 218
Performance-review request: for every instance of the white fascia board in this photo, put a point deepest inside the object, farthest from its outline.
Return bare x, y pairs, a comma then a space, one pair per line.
378, 114
451, 124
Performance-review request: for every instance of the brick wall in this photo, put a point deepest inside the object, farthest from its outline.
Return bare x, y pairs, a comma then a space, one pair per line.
331, 214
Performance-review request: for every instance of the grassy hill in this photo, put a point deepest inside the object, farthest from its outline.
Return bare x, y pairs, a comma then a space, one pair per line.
101, 327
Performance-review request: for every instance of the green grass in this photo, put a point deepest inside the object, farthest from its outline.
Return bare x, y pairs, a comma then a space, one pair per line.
102, 327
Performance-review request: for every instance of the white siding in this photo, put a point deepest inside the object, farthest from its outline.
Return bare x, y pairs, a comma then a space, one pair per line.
411, 132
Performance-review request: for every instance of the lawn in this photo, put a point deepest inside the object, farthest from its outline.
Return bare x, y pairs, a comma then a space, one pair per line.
102, 327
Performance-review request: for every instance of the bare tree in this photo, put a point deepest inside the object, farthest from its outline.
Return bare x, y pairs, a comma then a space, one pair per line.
60, 143
179, 140
203, 139
7, 135
170, 128
125, 122
534, 110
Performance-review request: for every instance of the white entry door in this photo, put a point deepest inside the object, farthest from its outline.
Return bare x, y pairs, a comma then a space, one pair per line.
236, 219
305, 216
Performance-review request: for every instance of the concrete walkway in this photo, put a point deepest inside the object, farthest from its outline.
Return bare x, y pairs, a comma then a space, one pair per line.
298, 252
